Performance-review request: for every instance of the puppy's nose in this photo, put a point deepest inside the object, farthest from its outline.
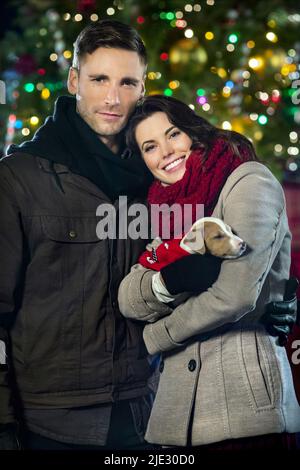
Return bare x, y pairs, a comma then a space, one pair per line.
242, 245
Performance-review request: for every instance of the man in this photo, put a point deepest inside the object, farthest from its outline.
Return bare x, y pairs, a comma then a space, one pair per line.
73, 371
81, 370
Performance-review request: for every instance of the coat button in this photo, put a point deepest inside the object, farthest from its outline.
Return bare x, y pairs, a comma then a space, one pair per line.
161, 366
72, 234
192, 365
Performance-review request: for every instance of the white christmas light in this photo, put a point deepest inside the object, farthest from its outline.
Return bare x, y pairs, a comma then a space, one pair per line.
293, 166
188, 7
264, 96
226, 125
270, 111
189, 33
293, 151
293, 137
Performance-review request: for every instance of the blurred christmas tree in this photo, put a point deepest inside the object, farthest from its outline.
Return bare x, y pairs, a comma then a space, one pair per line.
235, 63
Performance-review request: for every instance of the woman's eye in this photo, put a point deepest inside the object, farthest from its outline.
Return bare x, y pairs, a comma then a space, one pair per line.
175, 133
147, 149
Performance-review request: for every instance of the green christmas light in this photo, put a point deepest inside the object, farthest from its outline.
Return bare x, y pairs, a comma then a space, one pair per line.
233, 38
262, 119
50, 86
162, 15
168, 92
200, 92
170, 16
293, 110
29, 87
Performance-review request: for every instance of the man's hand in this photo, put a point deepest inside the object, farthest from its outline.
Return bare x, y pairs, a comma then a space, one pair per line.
280, 316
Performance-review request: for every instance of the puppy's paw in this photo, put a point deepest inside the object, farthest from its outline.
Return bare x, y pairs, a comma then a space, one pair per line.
154, 244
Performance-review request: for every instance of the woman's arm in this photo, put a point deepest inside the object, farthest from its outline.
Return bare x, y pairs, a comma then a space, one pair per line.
143, 296
254, 206
136, 298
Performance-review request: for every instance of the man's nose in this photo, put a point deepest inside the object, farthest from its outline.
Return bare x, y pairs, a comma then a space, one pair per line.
112, 96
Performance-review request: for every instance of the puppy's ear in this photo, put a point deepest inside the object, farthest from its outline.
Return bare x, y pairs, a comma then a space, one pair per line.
193, 241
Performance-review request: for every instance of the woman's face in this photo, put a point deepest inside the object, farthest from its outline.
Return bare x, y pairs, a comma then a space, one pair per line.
164, 147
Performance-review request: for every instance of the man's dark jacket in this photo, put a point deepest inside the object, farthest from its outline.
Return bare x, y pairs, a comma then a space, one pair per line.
67, 343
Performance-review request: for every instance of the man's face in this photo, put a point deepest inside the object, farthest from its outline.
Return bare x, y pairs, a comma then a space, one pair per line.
107, 87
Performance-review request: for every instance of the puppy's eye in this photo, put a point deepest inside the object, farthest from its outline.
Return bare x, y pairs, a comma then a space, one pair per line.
219, 236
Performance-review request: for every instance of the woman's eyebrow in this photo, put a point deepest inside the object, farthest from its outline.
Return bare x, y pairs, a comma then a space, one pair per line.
170, 129
146, 142
152, 140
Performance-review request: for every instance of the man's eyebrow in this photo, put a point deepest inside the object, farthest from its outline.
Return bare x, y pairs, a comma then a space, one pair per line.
166, 132
98, 75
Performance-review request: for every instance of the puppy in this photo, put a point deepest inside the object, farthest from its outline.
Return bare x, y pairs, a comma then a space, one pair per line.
212, 235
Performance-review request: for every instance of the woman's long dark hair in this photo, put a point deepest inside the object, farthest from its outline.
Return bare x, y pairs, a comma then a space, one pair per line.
202, 133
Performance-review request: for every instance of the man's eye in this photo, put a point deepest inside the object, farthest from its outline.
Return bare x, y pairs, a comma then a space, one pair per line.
98, 79
129, 83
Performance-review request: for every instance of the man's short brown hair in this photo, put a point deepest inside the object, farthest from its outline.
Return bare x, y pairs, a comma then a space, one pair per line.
108, 34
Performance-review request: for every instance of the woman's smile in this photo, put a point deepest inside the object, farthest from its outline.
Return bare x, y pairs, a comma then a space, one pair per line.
174, 165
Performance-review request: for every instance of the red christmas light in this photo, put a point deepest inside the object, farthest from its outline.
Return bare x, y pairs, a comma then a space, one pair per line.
181, 24
140, 20
275, 98
164, 56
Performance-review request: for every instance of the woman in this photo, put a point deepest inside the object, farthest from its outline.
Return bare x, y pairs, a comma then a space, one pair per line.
223, 378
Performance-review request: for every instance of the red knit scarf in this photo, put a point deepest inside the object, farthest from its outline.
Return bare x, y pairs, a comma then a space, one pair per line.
201, 183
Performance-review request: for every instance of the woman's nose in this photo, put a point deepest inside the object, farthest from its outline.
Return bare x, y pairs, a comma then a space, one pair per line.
167, 150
